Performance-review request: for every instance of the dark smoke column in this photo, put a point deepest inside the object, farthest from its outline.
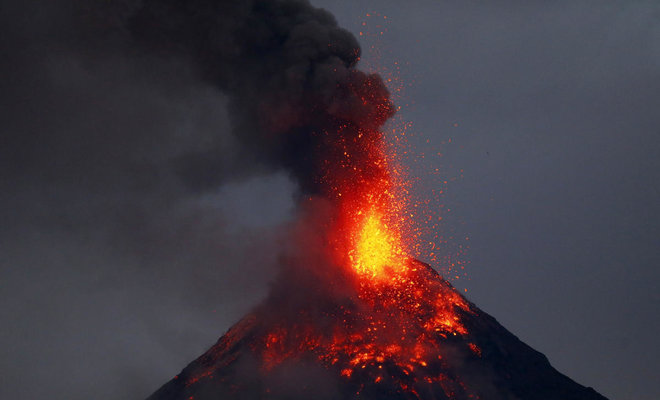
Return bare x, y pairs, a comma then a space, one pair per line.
296, 99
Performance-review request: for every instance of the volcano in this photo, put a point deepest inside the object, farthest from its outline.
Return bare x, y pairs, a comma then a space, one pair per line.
352, 314
412, 337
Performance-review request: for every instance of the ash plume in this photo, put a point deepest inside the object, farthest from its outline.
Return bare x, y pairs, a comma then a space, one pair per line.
289, 72
296, 102
117, 120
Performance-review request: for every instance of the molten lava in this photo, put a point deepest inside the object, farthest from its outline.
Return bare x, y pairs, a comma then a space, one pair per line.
368, 234
376, 248
388, 332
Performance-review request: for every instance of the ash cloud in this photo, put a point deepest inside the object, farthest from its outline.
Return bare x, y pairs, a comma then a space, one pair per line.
288, 71
123, 122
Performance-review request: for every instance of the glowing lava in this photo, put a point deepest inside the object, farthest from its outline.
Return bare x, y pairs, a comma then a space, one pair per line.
392, 331
368, 200
377, 248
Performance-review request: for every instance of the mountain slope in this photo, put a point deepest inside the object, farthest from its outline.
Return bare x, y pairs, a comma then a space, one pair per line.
413, 338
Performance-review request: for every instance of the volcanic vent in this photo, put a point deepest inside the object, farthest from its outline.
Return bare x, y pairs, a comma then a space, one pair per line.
353, 314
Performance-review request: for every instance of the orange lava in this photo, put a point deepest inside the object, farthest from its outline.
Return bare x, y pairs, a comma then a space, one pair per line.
376, 247
369, 201
393, 331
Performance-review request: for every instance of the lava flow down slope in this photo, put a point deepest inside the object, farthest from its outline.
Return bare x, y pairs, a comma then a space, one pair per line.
412, 337
352, 314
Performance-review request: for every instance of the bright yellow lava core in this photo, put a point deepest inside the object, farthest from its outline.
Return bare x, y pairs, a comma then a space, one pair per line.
376, 248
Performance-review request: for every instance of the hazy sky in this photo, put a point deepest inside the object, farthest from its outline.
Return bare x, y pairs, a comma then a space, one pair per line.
116, 272
558, 112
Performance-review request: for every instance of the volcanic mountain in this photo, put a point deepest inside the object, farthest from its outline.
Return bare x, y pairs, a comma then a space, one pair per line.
409, 336
354, 315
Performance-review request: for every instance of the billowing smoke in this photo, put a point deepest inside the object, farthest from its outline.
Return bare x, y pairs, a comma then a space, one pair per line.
296, 99
296, 102
122, 121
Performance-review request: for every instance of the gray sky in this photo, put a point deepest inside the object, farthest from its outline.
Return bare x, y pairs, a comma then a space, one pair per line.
558, 106
116, 274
